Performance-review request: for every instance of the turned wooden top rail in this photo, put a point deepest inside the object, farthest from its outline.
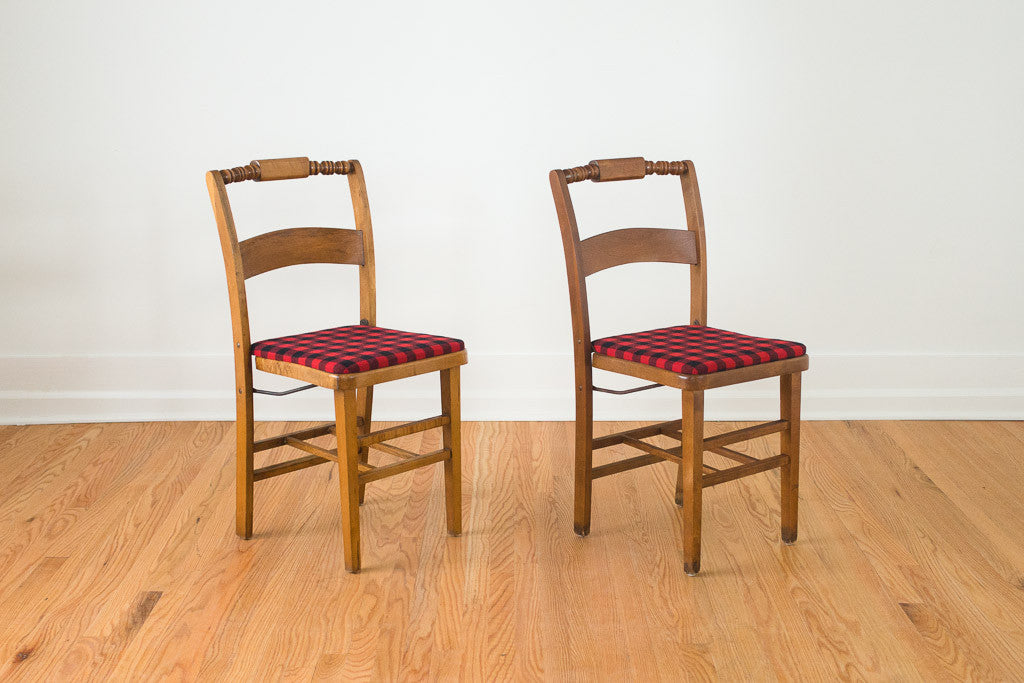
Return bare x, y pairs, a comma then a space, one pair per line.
284, 169
631, 168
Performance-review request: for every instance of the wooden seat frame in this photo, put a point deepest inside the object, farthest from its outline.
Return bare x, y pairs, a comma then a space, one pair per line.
353, 393
635, 245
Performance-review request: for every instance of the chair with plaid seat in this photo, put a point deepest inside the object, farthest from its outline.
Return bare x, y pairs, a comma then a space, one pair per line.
692, 357
349, 360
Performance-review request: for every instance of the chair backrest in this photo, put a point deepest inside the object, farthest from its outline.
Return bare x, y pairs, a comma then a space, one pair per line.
628, 245
290, 246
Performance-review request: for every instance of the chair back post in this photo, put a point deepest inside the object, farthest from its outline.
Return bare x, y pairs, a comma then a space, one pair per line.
695, 224
236, 285
577, 285
367, 269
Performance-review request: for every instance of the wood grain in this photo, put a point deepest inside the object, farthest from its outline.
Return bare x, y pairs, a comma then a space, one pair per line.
293, 246
119, 561
637, 245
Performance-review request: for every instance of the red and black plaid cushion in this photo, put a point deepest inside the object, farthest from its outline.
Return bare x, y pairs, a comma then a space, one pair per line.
696, 349
355, 348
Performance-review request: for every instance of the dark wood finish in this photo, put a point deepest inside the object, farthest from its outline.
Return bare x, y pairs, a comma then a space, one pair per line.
651, 449
632, 168
294, 246
790, 447
624, 465
353, 392
583, 368
639, 245
745, 470
402, 430
745, 434
729, 453
421, 460
284, 169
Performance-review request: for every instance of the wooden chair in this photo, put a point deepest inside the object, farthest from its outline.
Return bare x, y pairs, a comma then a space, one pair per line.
690, 357
348, 360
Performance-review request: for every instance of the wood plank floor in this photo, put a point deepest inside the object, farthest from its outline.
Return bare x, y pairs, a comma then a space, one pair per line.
118, 560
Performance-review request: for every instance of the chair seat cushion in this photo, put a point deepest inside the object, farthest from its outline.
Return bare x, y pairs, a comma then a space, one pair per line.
696, 349
355, 348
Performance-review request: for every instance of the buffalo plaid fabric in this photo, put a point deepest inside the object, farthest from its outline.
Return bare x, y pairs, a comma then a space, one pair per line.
355, 348
696, 349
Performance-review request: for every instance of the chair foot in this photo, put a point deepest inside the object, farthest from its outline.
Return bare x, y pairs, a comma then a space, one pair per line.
680, 498
581, 529
692, 568
789, 536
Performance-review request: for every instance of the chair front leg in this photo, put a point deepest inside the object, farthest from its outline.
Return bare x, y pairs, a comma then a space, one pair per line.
790, 445
348, 474
451, 435
244, 437
690, 480
584, 456
365, 401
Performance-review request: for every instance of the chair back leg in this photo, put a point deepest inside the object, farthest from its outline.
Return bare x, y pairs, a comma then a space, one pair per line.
365, 401
790, 446
244, 449
584, 457
451, 435
690, 480
345, 410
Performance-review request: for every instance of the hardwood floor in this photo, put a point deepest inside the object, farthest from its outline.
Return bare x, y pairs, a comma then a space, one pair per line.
118, 560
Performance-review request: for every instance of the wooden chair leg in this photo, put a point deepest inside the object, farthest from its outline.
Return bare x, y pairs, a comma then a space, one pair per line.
790, 445
348, 474
244, 435
584, 458
451, 434
690, 480
365, 402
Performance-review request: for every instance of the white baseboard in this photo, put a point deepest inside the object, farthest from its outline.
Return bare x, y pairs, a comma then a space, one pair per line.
51, 389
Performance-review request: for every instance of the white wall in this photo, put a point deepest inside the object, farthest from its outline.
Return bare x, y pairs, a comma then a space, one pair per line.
860, 165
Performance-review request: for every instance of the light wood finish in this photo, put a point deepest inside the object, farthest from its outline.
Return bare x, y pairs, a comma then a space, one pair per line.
362, 379
451, 438
638, 245
118, 562
713, 380
293, 465
353, 392
406, 429
348, 475
690, 478
282, 439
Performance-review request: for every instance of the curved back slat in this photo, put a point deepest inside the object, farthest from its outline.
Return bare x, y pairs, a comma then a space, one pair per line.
637, 245
293, 246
